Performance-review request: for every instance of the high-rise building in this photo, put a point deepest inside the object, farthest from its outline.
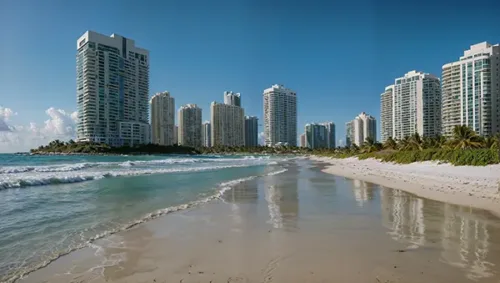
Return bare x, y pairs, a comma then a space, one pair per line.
417, 105
364, 126
251, 131
112, 89
176, 134
330, 138
386, 113
163, 119
206, 134
190, 125
231, 98
228, 123
280, 116
320, 135
349, 133
303, 140
471, 91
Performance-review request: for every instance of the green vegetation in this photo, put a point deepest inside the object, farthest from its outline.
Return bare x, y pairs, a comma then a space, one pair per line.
465, 147
71, 147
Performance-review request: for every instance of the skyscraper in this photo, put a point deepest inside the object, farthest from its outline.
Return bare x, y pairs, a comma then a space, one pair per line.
231, 98
176, 134
303, 140
251, 131
190, 125
349, 133
228, 123
417, 105
320, 135
386, 113
112, 81
163, 118
330, 138
471, 91
280, 116
206, 134
364, 126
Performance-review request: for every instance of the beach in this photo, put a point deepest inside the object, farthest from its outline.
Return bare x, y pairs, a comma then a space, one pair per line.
475, 186
296, 224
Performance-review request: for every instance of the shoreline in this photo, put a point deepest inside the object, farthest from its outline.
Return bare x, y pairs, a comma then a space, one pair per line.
471, 186
258, 232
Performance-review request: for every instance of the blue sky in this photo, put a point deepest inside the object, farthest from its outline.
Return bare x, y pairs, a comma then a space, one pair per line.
337, 56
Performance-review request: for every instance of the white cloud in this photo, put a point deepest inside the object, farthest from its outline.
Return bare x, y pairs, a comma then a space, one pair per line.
5, 114
14, 138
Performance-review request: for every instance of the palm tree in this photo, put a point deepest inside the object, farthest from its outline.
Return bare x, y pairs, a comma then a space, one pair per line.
390, 143
492, 142
370, 145
415, 142
465, 138
403, 143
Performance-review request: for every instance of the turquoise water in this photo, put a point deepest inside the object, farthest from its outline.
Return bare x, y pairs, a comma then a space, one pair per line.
52, 205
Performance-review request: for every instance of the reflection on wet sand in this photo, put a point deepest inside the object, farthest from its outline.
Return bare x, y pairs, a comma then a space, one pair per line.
282, 199
463, 234
363, 191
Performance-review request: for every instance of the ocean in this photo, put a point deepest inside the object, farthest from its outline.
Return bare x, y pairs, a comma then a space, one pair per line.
53, 205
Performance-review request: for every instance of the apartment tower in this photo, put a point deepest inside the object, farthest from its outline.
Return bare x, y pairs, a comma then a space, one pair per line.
349, 133
228, 123
280, 116
363, 126
231, 98
112, 89
206, 134
471, 92
320, 135
416, 105
163, 119
190, 125
251, 131
386, 113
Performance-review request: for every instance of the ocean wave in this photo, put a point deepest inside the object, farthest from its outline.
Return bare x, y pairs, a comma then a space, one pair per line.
51, 179
44, 169
222, 188
128, 163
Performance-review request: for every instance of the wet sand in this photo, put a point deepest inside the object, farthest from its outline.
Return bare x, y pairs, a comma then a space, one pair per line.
475, 186
299, 226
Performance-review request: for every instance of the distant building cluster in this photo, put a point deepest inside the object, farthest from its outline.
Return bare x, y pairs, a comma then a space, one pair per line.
112, 76
467, 94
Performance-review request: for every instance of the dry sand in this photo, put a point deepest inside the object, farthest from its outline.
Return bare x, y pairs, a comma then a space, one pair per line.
474, 186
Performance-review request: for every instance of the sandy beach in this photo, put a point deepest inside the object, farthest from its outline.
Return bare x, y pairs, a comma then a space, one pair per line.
475, 186
298, 226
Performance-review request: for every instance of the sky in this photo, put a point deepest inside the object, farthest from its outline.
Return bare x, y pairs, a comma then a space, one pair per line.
337, 55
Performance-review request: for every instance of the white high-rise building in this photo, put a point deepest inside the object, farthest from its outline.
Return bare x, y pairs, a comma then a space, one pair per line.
251, 131
228, 125
280, 116
386, 113
364, 126
471, 91
231, 98
163, 119
206, 134
112, 81
416, 105
190, 125
302, 140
